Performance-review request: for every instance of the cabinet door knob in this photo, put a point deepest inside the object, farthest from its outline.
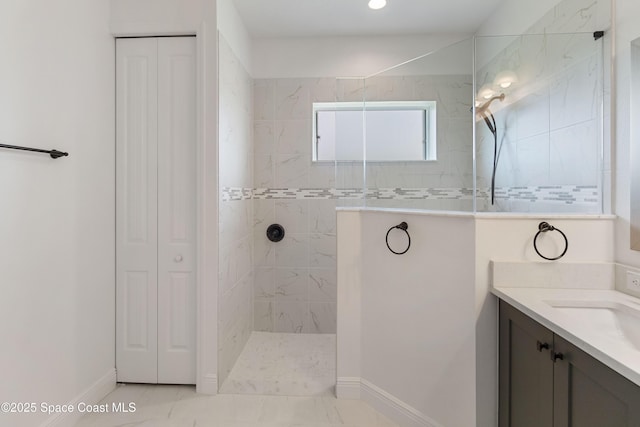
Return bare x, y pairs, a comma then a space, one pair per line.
542, 346
555, 356
178, 258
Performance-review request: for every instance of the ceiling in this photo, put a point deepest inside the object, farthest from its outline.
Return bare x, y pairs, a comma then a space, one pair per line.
322, 18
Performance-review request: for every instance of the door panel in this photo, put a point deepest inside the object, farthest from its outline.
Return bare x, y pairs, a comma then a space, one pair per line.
155, 210
136, 298
176, 210
136, 210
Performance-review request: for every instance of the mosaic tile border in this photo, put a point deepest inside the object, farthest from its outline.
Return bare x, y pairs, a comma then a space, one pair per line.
229, 194
567, 194
236, 194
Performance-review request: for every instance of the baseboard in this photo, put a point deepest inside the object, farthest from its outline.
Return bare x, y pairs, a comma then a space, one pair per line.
208, 385
92, 395
385, 403
348, 388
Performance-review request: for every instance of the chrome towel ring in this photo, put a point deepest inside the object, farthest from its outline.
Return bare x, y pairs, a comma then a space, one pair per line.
402, 226
543, 227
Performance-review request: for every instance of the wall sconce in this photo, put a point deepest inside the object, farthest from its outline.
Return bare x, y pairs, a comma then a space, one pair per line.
505, 79
490, 91
486, 92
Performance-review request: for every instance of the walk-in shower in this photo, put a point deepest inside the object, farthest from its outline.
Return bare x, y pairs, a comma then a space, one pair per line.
491, 124
277, 295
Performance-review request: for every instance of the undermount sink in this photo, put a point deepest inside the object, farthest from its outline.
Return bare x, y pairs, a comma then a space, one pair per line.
618, 321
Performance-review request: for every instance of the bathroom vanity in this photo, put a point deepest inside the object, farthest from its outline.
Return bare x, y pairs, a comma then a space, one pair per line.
545, 380
569, 345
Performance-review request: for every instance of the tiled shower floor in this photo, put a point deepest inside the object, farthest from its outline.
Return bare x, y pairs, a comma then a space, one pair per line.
285, 364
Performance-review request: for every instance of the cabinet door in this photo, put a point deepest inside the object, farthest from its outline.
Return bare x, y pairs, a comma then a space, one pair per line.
526, 371
589, 394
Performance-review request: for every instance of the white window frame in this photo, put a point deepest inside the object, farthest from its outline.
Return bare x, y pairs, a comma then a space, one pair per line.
429, 108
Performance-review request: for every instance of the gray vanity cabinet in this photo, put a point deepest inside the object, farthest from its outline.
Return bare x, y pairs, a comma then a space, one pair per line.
547, 381
525, 371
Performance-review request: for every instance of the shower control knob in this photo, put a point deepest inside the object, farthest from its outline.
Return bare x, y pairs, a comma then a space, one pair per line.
275, 232
178, 258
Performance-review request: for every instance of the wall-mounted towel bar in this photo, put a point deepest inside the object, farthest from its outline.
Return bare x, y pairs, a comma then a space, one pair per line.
53, 153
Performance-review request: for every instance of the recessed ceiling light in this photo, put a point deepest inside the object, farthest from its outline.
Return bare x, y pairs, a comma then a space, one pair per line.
377, 4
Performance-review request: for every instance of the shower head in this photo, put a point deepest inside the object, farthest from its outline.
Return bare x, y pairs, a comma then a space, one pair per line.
484, 112
481, 110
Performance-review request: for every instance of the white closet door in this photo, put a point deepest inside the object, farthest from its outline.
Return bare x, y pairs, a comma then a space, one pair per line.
156, 133
176, 211
136, 210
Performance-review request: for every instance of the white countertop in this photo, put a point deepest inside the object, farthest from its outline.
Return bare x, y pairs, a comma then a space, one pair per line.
620, 357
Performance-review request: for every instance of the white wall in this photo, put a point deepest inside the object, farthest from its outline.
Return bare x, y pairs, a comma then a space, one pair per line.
341, 56
57, 222
199, 17
628, 13
416, 323
156, 17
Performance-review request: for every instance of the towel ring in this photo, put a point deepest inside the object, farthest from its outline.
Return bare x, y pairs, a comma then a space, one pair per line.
543, 227
402, 226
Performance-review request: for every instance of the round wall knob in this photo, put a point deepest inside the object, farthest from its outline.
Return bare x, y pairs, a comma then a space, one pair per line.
178, 258
275, 232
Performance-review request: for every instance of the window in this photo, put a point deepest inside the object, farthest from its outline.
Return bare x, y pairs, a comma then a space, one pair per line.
393, 131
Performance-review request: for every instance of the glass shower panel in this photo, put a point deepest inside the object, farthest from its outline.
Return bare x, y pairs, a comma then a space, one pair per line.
539, 123
440, 84
349, 146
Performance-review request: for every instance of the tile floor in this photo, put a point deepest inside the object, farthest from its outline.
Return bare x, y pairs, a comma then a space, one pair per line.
180, 406
285, 365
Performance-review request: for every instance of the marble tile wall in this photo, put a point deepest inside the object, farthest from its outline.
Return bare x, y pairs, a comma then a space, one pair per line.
550, 124
295, 283
235, 314
453, 169
295, 279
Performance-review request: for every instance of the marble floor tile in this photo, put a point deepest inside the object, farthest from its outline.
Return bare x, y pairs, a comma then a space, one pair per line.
285, 364
181, 406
